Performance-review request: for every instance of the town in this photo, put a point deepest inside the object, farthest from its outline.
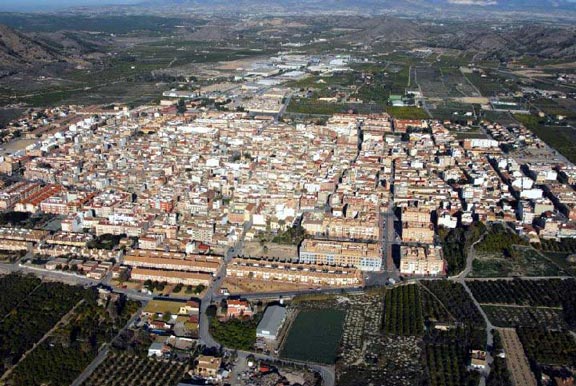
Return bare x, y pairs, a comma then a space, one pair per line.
243, 232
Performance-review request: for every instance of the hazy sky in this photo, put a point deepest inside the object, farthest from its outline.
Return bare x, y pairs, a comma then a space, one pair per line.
42, 5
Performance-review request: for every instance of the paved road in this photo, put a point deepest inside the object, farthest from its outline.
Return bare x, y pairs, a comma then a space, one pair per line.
210, 296
460, 278
64, 277
284, 106
291, 294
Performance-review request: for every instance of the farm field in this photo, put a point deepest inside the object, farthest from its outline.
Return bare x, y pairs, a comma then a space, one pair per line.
121, 369
25, 320
236, 333
71, 347
444, 82
403, 311
549, 347
516, 361
555, 107
446, 356
314, 336
515, 261
546, 293
457, 301
407, 112
488, 86
545, 318
367, 356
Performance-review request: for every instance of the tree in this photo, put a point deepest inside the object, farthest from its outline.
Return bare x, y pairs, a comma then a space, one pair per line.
199, 288
181, 106
211, 311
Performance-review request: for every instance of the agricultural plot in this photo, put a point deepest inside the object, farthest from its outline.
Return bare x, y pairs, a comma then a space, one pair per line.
501, 117
561, 138
549, 347
120, 369
457, 302
314, 107
430, 81
500, 374
444, 82
546, 293
314, 336
515, 260
544, 318
432, 309
31, 316
403, 311
407, 112
516, 362
556, 107
391, 361
488, 86
60, 358
446, 356
453, 111
235, 333
13, 288
368, 357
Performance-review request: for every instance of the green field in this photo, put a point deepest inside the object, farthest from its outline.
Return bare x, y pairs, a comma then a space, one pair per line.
403, 311
407, 112
314, 336
522, 261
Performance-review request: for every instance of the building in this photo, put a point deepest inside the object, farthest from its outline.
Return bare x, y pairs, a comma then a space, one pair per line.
238, 309
157, 349
32, 203
315, 274
10, 195
271, 322
151, 259
171, 277
208, 366
478, 359
364, 256
421, 261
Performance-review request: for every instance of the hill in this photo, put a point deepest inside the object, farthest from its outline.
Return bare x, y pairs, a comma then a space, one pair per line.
536, 40
18, 50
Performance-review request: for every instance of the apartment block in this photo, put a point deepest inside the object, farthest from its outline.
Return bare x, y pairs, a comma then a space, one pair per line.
312, 274
422, 261
364, 256
171, 277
